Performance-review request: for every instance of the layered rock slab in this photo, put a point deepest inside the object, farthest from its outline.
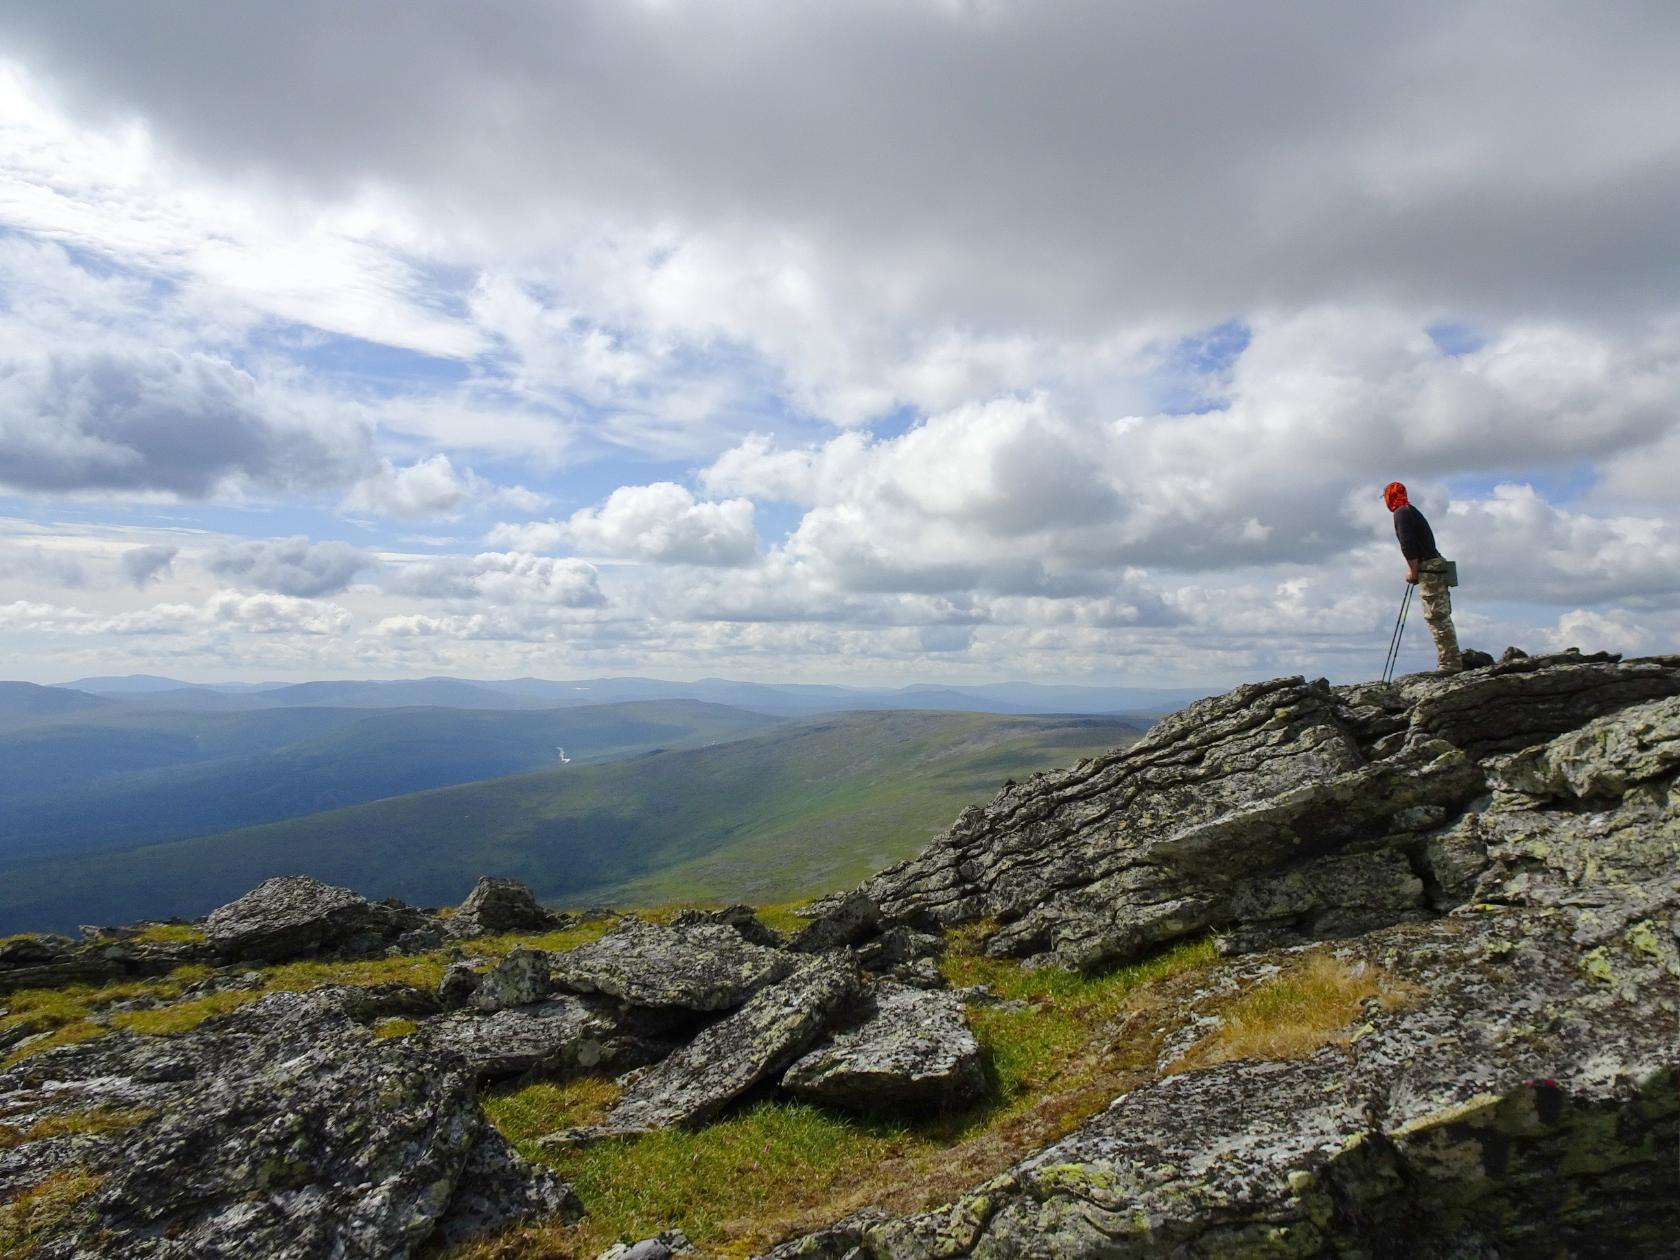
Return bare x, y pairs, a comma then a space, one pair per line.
560, 1036
283, 1130
697, 966
1281, 812
912, 1049
732, 1056
294, 915
1522, 1101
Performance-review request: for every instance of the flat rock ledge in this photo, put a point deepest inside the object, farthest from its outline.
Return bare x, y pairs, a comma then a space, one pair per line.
913, 1049
696, 966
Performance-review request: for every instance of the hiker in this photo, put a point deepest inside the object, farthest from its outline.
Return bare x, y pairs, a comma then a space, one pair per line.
1426, 570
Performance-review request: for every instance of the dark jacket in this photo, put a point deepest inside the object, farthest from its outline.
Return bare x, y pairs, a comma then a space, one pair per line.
1417, 540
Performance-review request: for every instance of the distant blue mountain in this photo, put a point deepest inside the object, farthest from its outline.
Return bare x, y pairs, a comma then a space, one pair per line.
781, 699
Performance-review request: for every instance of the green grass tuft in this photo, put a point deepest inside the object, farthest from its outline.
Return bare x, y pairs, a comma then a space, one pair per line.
779, 1167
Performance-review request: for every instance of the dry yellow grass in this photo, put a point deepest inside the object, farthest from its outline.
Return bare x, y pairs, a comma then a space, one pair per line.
98, 1120
25, 1218
1300, 1009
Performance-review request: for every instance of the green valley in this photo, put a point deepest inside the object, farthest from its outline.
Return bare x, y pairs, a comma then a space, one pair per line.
807, 807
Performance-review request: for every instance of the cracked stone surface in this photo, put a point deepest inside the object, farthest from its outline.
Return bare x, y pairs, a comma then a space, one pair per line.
732, 1056
285, 1129
697, 966
1523, 1103
912, 1049
1281, 812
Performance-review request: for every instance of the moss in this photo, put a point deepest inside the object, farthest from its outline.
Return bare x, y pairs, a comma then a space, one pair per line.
1642, 937
170, 934
1596, 963
183, 1016
498, 947
100, 1120
395, 1026
28, 1217
424, 971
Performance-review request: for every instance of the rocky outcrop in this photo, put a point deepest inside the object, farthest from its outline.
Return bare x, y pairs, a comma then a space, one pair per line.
1519, 1100
499, 905
293, 915
285, 1129
730, 1057
1281, 812
1502, 847
49, 962
692, 966
912, 1049
1519, 1109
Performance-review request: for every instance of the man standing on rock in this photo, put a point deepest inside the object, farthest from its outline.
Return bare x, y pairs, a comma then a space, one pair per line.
1428, 572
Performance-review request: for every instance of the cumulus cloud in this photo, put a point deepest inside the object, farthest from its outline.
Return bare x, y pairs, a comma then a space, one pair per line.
145, 565
155, 420
503, 577
290, 566
433, 487
662, 522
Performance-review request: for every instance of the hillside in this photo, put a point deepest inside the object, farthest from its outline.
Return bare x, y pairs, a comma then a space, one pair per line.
126, 777
782, 699
811, 806
1379, 970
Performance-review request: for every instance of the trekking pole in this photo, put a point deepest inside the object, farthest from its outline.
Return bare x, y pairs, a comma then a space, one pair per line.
1399, 634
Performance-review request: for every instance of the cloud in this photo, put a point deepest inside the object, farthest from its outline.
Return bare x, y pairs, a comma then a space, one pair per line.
139, 420
257, 614
145, 565
290, 566
41, 565
662, 523
506, 577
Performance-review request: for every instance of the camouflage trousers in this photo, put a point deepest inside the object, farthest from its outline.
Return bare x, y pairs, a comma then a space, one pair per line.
1437, 613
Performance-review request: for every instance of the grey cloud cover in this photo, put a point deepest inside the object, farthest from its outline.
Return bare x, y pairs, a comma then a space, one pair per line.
1077, 159
290, 566
154, 420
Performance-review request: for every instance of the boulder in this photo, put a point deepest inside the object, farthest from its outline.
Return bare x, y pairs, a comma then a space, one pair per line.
498, 905
282, 1130
660, 1247
752, 1045
557, 1037
460, 981
293, 915
517, 980
913, 1049
742, 918
693, 966
840, 921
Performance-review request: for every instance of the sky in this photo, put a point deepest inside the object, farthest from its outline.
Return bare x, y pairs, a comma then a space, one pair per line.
872, 342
